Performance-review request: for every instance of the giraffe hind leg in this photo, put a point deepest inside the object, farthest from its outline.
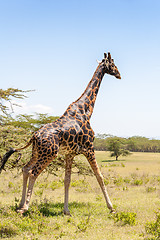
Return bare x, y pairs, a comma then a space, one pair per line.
24, 204
26, 172
25, 180
34, 173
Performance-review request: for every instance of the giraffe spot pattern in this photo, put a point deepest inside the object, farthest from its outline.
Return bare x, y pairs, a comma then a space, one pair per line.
74, 136
72, 132
70, 135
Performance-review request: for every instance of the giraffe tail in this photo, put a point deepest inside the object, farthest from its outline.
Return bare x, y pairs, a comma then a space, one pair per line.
10, 152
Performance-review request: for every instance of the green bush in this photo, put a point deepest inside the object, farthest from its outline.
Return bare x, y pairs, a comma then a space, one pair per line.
81, 185
150, 189
83, 225
56, 184
118, 181
127, 180
138, 182
153, 228
125, 218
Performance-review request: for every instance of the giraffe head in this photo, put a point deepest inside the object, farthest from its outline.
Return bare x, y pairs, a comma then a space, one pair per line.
109, 66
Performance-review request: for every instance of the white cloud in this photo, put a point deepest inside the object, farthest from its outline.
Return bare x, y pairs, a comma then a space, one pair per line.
24, 108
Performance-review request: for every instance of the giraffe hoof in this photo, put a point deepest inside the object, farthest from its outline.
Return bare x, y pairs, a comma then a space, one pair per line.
21, 210
113, 211
67, 213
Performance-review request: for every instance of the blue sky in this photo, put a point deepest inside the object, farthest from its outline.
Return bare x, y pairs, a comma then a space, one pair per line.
52, 47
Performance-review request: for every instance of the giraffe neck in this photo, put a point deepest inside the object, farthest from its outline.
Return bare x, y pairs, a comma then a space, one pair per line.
86, 101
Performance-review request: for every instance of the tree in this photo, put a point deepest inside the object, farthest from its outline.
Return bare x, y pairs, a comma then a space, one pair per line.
29, 122
7, 95
116, 147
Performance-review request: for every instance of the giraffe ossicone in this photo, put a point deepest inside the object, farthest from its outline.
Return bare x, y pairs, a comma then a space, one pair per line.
71, 134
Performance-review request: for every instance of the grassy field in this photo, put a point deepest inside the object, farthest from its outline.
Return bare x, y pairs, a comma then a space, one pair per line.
133, 184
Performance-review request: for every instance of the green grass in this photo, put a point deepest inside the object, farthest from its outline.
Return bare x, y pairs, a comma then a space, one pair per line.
133, 184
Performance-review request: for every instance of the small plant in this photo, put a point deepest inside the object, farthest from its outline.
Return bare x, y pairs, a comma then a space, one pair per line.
134, 175
39, 193
98, 198
78, 183
122, 164
56, 184
118, 181
10, 185
153, 228
83, 225
125, 188
106, 181
113, 165
125, 218
62, 234
43, 185
150, 189
145, 178
81, 185
127, 180
138, 182
16, 200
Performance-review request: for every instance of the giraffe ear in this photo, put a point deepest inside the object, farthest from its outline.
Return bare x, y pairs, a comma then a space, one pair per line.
105, 55
98, 61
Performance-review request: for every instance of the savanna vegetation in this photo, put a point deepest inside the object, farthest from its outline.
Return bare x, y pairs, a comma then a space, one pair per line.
133, 144
133, 183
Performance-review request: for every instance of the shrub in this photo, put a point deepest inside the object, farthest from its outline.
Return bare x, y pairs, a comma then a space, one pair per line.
150, 189
81, 185
138, 182
122, 164
127, 180
153, 228
56, 184
125, 218
98, 198
83, 225
118, 181
10, 184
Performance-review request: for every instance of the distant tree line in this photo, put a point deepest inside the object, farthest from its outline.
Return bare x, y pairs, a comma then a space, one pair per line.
132, 144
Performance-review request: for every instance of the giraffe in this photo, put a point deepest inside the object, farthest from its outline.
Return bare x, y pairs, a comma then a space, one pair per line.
70, 134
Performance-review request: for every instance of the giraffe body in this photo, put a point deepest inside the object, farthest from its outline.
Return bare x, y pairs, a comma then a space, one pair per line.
72, 135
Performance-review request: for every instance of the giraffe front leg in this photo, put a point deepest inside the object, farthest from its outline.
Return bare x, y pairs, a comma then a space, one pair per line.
67, 181
34, 172
90, 155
